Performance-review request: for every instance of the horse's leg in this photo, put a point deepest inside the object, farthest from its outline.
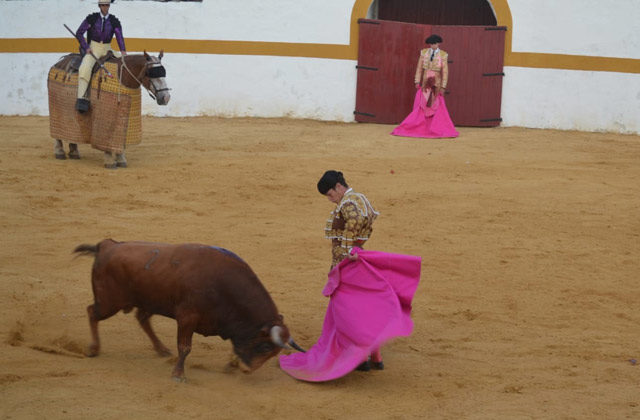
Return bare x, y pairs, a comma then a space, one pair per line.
73, 151
121, 160
58, 150
109, 161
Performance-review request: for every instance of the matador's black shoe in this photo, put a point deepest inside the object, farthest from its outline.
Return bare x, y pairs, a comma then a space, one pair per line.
377, 365
364, 367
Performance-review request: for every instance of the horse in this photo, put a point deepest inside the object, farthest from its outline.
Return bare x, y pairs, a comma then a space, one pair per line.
113, 120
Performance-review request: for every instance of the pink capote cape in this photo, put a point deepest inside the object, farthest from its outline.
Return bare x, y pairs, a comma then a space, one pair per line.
370, 304
427, 122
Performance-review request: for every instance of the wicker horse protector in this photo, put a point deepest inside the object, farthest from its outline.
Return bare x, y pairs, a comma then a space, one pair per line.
114, 119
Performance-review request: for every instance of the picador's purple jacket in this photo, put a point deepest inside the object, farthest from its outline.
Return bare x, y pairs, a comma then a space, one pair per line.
99, 32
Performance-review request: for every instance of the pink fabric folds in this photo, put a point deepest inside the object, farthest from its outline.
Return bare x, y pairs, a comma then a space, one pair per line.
427, 122
370, 304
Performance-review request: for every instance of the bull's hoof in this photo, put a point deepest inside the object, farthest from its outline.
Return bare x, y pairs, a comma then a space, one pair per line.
92, 351
179, 379
163, 352
74, 154
111, 165
61, 156
230, 368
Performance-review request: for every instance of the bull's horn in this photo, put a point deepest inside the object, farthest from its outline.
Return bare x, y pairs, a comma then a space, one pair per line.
296, 346
276, 336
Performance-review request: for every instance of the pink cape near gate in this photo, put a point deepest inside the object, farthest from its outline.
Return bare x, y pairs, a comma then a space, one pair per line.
370, 304
427, 122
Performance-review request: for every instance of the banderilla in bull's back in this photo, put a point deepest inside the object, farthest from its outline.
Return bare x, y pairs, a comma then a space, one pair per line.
207, 290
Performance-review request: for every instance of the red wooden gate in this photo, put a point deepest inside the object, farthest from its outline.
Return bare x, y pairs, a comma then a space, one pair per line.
387, 57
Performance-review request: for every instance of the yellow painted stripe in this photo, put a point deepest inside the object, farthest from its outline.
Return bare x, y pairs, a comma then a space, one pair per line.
66, 45
331, 51
555, 61
573, 62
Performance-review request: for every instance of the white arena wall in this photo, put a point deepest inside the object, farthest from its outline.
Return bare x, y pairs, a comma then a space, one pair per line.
574, 99
323, 87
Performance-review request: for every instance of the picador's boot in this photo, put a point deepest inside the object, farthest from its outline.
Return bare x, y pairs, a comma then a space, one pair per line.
73, 151
82, 103
109, 161
58, 150
121, 161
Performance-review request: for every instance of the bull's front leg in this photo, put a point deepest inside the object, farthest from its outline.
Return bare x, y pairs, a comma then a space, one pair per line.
233, 365
143, 318
185, 334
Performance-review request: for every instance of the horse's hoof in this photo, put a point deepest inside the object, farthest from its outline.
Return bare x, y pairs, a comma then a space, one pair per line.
60, 156
121, 164
111, 165
74, 155
179, 379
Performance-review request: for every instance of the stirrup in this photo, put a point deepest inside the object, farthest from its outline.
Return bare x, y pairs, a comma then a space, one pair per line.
82, 105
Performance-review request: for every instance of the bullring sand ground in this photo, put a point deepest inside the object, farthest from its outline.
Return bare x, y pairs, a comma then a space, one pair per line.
528, 306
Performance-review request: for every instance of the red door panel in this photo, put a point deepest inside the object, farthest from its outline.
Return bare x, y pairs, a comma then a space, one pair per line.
387, 58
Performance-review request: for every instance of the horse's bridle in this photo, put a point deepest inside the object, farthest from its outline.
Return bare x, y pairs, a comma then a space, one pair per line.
153, 70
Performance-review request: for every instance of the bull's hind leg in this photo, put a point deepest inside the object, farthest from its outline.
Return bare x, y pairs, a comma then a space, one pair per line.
94, 348
97, 314
143, 318
58, 150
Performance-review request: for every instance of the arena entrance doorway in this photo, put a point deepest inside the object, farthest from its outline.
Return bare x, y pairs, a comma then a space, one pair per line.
388, 51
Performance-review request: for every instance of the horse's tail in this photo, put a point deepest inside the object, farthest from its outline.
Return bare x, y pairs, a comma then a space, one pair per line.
87, 250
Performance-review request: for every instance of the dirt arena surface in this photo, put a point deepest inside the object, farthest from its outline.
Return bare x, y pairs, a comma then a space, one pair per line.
528, 306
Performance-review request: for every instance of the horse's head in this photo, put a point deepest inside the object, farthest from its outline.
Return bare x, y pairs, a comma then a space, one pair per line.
148, 71
153, 78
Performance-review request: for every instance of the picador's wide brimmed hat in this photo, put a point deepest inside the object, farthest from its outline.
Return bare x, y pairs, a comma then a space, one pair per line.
433, 39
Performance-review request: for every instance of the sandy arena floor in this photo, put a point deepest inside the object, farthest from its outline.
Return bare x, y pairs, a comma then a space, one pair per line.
528, 307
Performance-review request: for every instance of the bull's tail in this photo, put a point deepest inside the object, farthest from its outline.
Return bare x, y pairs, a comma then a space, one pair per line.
86, 249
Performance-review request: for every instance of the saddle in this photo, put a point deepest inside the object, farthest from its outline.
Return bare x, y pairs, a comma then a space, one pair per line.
70, 63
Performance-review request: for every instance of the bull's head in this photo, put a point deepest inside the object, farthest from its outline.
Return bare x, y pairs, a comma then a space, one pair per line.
270, 340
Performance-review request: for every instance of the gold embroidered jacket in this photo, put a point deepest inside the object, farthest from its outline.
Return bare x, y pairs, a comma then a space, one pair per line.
350, 224
437, 68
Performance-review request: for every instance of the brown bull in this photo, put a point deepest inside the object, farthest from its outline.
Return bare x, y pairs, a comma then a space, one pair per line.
207, 290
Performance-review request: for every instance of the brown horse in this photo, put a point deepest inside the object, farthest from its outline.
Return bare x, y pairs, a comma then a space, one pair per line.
113, 120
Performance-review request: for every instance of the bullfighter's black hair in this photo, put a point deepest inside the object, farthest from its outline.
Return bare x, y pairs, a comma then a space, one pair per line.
433, 39
329, 180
